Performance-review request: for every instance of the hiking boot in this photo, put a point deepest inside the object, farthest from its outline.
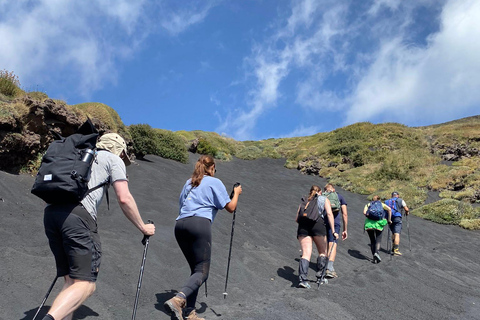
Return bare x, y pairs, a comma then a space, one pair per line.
396, 252
193, 316
304, 284
331, 274
376, 258
174, 307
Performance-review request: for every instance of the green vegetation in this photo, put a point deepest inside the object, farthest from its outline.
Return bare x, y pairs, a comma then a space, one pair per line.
9, 84
164, 143
205, 147
363, 157
449, 211
104, 113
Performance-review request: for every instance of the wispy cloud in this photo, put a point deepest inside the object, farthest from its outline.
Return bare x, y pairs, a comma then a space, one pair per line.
367, 59
178, 19
82, 43
437, 81
285, 50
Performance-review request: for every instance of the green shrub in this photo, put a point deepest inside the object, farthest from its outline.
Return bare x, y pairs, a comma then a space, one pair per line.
9, 83
250, 153
37, 95
144, 139
205, 147
163, 143
447, 211
171, 146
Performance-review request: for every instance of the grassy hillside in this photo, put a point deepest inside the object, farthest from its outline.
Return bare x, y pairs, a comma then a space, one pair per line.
364, 158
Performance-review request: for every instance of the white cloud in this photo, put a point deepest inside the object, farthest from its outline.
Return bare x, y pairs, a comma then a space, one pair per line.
79, 42
185, 15
437, 82
288, 48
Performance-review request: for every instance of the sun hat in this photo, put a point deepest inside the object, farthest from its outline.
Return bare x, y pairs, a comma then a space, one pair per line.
114, 143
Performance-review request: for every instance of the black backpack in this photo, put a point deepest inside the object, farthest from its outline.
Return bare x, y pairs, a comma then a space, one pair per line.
375, 211
309, 209
65, 169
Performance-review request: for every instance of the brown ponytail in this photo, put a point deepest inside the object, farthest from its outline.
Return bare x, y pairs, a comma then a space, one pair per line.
202, 167
313, 190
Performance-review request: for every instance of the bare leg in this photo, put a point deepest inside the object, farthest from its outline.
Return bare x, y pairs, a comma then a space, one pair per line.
334, 250
396, 239
73, 294
321, 244
306, 244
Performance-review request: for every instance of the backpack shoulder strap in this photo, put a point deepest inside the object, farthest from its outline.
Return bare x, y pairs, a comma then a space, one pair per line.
105, 185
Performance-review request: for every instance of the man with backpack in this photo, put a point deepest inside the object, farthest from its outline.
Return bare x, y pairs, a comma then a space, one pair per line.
397, 205
71, 227
338, 204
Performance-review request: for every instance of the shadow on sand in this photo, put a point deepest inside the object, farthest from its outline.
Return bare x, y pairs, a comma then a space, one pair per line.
81, 313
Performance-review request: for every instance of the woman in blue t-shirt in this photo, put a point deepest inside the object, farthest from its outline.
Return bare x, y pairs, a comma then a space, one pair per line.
201, 197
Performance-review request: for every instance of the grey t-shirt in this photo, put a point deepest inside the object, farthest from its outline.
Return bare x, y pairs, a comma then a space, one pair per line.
107, 166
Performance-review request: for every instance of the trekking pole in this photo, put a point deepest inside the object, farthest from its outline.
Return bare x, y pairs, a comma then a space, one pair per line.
145, 241
46, 297
408, 233
388, 238
231, 241
322, 279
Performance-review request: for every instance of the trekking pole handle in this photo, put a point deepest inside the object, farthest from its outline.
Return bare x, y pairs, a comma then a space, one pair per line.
145, 237
237, 184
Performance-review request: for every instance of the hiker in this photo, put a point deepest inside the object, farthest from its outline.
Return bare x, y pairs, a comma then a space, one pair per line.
397, 205
313, 230
72, 228
201, 197
374, 224
332, 242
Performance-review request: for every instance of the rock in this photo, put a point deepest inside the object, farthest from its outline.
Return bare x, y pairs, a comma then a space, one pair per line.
193, 147
23, 138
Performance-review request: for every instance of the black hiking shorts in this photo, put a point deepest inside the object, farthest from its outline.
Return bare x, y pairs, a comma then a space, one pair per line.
311, 228
73, 238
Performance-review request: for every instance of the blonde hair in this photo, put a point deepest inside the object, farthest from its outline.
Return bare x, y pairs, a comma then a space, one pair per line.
202, 167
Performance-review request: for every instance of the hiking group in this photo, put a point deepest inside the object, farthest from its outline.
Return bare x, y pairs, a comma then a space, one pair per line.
73, 178
318, 218
76, 173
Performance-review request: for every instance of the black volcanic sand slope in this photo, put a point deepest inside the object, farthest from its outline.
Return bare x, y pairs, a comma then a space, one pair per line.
438, 279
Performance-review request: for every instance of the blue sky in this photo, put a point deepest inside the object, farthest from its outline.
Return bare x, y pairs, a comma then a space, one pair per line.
251, 69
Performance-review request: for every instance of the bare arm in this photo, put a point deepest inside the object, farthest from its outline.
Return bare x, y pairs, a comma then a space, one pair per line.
331, 219
129, 207
345, 222
232, 205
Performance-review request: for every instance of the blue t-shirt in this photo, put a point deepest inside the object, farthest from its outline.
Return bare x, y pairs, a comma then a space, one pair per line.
203, 201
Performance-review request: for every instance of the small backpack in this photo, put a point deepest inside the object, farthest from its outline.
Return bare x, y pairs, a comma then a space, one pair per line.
309, 209
65, 169
375, 211
334, 201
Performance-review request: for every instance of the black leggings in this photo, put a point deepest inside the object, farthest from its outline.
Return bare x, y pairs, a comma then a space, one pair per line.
194, 236
375, 239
